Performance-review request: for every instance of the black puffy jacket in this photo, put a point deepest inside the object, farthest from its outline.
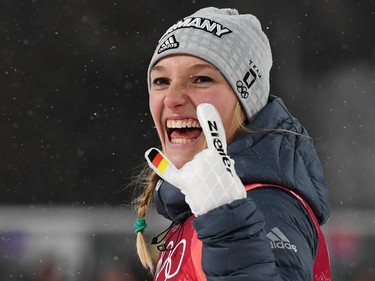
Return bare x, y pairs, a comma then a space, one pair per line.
269, 235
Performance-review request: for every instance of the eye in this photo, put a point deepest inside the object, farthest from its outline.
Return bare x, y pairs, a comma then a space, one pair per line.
160, 81
202, 79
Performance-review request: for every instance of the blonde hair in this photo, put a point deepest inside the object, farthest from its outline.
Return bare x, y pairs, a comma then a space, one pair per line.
148, 180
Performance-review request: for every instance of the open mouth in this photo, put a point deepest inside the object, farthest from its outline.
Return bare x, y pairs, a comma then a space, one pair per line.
183, 131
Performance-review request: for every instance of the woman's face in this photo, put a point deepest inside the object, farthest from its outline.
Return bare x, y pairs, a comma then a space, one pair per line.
179, 84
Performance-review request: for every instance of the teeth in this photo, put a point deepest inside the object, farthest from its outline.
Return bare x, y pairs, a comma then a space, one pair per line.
185, 123
182, 141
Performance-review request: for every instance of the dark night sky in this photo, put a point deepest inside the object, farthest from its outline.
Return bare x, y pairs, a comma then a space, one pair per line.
74, 119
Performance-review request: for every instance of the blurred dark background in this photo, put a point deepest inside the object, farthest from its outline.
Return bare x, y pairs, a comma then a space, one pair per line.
74, 124
74, 113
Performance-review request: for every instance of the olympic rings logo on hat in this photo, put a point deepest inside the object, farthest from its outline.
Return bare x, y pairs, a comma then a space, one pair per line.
242, 89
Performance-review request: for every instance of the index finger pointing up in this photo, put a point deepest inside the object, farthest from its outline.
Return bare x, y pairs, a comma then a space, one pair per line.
213, 128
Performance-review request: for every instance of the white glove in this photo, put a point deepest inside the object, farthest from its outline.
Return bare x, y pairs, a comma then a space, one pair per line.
209, 180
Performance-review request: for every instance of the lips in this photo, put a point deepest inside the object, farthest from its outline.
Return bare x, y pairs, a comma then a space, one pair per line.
183, 131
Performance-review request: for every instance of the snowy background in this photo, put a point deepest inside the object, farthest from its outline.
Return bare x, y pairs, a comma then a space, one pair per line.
74, 124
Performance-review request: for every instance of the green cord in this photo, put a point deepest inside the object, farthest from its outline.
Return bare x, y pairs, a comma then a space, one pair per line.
140, 225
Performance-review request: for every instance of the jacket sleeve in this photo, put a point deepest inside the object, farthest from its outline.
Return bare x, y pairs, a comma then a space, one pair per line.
268, 236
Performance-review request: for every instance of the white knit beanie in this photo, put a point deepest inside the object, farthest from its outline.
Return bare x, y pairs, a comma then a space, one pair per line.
233, 43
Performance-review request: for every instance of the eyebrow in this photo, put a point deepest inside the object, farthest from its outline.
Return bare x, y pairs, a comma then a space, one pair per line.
202, 66
157, 67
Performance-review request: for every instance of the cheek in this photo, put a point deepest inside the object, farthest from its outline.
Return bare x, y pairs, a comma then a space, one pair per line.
227, 111
225, 102
153, 108
155, 105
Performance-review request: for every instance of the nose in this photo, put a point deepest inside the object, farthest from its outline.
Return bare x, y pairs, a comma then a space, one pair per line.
176, 96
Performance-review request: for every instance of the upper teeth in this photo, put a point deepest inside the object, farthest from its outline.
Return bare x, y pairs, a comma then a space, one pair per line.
185, 123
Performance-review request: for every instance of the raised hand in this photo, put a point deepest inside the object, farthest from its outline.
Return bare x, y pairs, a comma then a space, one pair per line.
209, 180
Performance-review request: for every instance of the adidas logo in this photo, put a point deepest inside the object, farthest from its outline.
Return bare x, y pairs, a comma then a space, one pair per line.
169, 43
279, 241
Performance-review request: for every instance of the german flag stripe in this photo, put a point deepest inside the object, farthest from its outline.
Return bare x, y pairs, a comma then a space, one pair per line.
158, 161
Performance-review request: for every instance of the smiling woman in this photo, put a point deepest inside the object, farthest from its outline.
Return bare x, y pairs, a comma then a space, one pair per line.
243, 204
178, 85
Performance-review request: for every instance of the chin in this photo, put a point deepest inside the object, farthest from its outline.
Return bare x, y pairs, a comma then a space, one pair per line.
180, 161
180, 154
179, 158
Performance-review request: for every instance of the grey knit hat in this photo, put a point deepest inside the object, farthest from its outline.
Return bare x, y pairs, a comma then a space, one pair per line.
233, 43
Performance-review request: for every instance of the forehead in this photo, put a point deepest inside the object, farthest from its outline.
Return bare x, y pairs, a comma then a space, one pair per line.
183, 61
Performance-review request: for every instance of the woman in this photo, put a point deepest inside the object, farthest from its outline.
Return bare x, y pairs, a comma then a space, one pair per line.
247, 211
